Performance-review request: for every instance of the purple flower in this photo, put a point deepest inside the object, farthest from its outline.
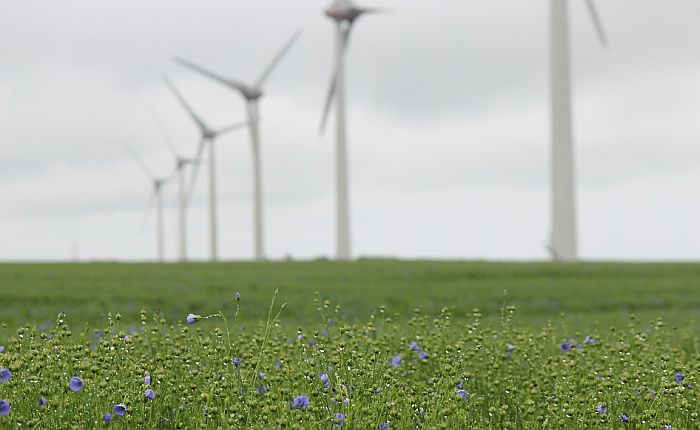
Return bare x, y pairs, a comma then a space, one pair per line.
261, 375
107, 417
5, 375
414, 346
421, 411
324, 331
422, 355
2, 348
590, 340
396, 361
147, 379
238, 296
341, 419
325, 380
119, 409
566, 346
668, 427
510, 347
600, 409
149, 394
300, 402
42, 402
278, 363
4, 407
463, 394
346, 400
384, 425
192, 318
679, 377
76, 384
261, 389
237, 361
624, 418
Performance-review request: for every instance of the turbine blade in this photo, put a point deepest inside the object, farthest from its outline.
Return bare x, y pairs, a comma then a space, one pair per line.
277, 59
332, 87
228, 82
597, 23
195, 170
327, 105
142, 164
163, 134
184, 104
232, 127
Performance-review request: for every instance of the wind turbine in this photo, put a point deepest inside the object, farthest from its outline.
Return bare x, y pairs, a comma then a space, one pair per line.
344, 13
157, 196
251, 94
563, 244
180, 164
208, 136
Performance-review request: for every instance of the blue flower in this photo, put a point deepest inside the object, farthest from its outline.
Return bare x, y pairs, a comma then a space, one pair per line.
192, 318
600, 409
396, 361
346, 400
261, 389
422, 355
120, 409
383, 425
463, 394
341, 419
42, 402
679, 377
238, 296
590, 340
237, 361
261, 375
2, 348
325, 380
300, 402
414, 346
278, 363
566, 346
107, 417
76, 384
4, 407
324, 331
147, 379
149, 394
668, 427
624, 418
5, 375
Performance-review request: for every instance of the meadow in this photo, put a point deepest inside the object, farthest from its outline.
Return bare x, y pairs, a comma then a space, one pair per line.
363, 345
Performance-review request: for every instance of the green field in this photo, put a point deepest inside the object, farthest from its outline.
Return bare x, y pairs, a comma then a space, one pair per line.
383, 345
587, 293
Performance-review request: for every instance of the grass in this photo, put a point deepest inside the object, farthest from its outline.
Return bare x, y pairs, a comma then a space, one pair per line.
382, 345
587, 293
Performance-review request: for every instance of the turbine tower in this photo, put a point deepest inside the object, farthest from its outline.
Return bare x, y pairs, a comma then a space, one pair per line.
563, 244
251, 94
181, 164
208, 136
157, 195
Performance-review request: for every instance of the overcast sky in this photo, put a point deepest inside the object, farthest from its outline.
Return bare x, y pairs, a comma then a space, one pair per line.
448, 125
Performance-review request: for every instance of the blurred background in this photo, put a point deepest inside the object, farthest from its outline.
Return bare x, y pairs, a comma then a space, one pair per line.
448, 128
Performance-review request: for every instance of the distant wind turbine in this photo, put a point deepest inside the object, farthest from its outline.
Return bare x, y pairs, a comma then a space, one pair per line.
563, 244
208, 136
180, 164
157, 195
251, 94
344, 13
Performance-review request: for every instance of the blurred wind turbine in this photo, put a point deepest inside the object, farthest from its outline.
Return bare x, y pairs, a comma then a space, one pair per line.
180, 164
208, 136
251, 94
157, 195
563, 244
344, 13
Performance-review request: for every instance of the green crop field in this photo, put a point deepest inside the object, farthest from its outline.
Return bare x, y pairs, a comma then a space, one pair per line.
382, 344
